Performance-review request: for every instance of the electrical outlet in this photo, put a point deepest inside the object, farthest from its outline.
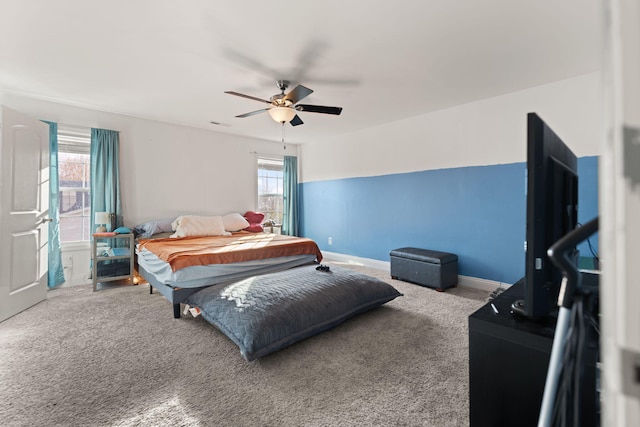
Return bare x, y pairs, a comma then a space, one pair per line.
330, 240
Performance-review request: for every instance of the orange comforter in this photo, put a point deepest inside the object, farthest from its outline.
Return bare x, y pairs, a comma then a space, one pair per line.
203, 250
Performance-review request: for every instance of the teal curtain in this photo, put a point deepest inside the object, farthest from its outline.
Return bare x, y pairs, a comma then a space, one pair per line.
105, 176
56, 270
290, 193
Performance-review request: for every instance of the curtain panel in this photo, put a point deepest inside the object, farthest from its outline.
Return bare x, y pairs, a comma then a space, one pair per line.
105, 176
290, 193
55, 275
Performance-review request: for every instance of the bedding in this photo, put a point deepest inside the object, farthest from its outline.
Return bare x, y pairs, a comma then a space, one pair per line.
254, 217
197, 225
262, 314
150, 228
239, 247
202, 275
255, 228
255, 221
178, 267
234, 222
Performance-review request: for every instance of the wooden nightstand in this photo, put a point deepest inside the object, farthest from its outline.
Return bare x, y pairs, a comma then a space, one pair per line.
112, 258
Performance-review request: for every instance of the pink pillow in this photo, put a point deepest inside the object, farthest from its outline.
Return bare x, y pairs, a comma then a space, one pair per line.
255, 221
255, 228
254, 217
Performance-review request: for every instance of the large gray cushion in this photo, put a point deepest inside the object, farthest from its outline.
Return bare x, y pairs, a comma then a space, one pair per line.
262, 314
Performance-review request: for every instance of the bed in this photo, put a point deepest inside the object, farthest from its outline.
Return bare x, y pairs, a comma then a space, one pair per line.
265, 313
179, 267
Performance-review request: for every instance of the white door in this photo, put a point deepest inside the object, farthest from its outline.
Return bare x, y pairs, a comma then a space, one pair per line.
620, 212
24, 210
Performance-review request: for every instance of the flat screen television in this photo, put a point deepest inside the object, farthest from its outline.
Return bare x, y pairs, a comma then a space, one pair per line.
552, 212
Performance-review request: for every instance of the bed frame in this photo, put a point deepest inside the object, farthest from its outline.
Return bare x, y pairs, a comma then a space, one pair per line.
176, 295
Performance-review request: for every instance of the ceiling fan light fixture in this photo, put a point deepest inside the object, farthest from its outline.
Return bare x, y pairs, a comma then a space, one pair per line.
282, 114
283, 107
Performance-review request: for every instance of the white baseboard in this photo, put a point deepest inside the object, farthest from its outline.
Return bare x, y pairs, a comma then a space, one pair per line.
77, 280
72, 278
478, 283
467, 281
350, 259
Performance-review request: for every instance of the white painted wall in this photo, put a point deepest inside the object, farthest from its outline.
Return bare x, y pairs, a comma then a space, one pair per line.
487, 132
76, 259
169, 169
165, 169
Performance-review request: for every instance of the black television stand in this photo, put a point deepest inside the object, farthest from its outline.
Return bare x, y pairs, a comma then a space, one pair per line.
508, 360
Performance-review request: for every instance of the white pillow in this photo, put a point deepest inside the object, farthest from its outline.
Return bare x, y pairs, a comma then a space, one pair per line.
150, 228
234, 222
194, 225
176, 223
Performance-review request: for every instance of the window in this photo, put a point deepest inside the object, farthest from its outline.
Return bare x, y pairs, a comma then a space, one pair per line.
74, 174
270, 188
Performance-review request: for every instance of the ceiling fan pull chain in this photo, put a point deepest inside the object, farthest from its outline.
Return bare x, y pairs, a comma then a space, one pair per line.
283, 144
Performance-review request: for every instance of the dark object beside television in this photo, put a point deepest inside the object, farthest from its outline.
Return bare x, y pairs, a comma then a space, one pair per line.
552, 212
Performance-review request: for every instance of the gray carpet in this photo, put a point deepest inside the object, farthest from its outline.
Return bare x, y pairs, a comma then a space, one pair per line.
117, 357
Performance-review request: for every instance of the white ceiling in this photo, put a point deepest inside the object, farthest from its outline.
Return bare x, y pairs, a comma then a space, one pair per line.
381, 61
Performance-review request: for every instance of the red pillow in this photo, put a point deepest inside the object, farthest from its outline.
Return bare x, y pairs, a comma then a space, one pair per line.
255, 221
254, 217
255, 228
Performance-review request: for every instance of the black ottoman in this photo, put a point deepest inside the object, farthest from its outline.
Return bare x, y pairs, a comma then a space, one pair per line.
438, 270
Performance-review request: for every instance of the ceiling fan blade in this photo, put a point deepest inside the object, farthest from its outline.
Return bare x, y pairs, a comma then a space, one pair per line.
297, 93
296, 121
253, 113
319, 109
230, 92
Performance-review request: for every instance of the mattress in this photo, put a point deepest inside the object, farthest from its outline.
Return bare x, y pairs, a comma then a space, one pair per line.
239, 247
204, 275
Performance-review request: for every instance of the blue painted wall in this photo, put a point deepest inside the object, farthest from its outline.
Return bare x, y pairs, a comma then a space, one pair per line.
478, 213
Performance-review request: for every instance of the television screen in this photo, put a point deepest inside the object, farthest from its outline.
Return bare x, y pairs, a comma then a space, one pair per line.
552, 212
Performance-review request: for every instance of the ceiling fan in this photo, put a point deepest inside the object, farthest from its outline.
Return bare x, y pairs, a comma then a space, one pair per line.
284, 107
